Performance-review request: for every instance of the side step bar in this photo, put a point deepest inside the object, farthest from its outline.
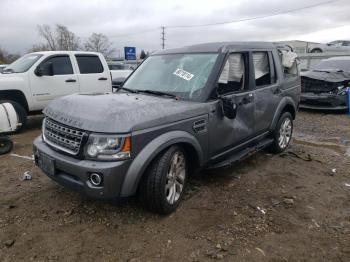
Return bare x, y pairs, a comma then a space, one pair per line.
242, 154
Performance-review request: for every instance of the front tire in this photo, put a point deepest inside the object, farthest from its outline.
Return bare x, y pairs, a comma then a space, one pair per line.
283, 133
162, 188
6, 145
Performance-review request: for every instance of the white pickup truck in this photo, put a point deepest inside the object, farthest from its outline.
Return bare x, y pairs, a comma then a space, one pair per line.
35, 79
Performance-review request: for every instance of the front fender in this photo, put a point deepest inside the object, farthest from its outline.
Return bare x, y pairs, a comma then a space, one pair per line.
285, 101
149, 152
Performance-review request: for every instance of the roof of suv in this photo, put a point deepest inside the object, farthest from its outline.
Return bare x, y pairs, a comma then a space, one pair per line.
218, 47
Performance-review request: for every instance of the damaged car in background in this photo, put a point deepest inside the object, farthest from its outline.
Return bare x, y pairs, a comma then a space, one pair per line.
325, 86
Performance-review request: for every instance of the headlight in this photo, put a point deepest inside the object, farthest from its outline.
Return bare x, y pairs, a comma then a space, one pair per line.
108, 147
342, 90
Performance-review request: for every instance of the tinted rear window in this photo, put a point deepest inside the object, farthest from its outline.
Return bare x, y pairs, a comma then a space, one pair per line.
89, 64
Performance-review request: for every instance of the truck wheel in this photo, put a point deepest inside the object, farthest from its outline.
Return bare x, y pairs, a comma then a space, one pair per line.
5, 145
162, 188
283, 133
21, 113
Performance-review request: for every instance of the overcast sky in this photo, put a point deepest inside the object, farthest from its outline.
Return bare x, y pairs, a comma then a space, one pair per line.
19, 20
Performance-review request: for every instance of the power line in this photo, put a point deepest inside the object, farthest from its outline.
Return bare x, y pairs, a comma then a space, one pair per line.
228, 22
256, 17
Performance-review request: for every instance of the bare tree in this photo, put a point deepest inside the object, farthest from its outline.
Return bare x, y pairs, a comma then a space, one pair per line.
3, 55
46, 33
59, 39
38, 48
7, 58
99, 43
65, 39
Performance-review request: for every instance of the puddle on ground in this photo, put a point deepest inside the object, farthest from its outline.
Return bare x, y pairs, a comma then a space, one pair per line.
336, 144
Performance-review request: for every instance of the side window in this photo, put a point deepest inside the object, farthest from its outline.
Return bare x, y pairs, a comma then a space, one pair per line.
262, 69
89, 64
233, 76
61, 65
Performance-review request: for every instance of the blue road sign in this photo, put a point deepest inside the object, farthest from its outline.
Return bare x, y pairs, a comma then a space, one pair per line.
130, 53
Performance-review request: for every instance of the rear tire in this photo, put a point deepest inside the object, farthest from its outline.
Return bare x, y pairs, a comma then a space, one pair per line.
282, 134
21, 114
6, 145
161, 189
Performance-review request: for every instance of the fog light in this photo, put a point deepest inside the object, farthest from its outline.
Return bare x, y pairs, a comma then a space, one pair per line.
96, 179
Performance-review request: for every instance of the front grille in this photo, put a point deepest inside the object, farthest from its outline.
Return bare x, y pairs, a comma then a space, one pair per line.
62, 137
318, 86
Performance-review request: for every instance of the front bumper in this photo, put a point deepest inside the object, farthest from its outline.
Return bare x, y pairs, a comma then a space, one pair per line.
74, 173
323, 101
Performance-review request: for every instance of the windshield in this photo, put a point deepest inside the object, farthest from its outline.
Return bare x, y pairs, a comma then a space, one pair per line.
22, 64
343, 65
183, 75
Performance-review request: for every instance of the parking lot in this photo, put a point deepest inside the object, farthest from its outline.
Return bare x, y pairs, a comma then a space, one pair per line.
288, 207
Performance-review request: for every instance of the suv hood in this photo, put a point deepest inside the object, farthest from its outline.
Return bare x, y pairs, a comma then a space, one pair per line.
120, 112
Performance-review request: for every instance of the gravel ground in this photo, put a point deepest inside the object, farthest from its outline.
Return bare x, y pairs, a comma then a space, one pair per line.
289, 207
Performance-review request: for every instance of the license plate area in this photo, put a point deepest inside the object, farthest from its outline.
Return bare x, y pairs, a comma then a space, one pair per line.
47, 164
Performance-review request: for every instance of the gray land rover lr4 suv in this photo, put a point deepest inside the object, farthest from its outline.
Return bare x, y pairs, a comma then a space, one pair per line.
182, 109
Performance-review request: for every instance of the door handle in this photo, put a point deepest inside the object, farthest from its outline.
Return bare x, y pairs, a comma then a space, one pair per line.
71, 80
247, 99
277, 91
102, 78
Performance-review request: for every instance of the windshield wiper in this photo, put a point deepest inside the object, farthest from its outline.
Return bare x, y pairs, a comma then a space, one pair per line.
157, 93
128, 89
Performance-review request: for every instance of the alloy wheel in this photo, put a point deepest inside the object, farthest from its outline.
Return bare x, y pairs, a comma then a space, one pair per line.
175, 179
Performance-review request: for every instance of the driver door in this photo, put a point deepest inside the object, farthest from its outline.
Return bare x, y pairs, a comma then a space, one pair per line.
234, 83
59, 82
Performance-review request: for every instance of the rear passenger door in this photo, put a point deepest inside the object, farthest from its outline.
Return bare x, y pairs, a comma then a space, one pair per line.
94, 76
267, 90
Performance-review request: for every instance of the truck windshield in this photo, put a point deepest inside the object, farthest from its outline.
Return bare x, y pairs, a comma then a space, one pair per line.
22, 64
183, 75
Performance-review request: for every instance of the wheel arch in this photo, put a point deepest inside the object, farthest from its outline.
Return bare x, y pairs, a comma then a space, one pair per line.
16, 96
316, 49
145, 157
286, 105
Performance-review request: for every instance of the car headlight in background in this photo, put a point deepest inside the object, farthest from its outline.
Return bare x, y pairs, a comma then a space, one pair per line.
108, 147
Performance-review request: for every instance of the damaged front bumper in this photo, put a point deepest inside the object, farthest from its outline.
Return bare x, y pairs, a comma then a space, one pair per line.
323, 101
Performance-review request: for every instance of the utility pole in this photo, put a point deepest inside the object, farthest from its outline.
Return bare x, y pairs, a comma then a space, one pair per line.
163, 36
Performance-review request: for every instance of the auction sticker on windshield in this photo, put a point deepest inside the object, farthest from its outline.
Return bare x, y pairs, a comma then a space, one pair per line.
183, 74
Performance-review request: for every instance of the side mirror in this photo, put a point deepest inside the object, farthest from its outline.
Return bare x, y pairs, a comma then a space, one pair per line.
38, 71
45, 69
229, 107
